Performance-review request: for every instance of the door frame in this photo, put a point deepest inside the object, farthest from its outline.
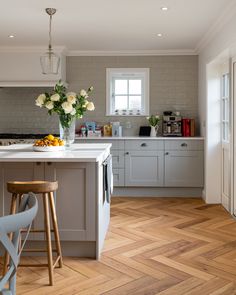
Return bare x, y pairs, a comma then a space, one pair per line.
233, 134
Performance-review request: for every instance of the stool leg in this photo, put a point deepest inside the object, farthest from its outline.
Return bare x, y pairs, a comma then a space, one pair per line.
48, 238
12, 211
55, 227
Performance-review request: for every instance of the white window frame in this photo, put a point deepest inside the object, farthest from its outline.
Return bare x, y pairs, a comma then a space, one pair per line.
135, 73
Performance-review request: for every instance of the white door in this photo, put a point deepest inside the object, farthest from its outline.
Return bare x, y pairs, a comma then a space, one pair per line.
233, 145
225, 136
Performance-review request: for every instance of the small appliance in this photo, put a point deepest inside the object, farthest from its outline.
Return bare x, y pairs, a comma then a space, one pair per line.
172, 125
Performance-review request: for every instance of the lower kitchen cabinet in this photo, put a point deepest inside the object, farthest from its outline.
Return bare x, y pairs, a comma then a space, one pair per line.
75, 197
16, 172
144, 168
118, 177
184, 168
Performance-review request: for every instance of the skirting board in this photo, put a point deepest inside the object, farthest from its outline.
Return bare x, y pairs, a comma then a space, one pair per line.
185, 192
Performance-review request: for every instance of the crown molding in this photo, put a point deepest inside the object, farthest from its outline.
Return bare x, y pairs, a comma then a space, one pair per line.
132, 52
31, 49
227, 14
66, 52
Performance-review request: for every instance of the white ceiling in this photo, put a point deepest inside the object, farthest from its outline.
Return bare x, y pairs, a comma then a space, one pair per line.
110, 25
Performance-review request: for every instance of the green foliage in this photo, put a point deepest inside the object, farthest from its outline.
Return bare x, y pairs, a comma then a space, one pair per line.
153, 120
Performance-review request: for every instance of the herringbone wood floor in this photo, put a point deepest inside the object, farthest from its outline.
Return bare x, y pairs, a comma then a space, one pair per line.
154, 246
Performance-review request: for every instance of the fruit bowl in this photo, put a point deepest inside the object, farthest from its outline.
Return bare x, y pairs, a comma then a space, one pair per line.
48, 148
49, 143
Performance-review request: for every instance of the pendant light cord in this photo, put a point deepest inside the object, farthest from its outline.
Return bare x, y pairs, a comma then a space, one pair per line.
50, 33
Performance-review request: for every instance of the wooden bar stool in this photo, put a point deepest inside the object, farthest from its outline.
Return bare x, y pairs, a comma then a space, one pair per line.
46, 189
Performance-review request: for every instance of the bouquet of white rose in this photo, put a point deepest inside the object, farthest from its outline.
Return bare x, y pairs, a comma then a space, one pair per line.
68, 105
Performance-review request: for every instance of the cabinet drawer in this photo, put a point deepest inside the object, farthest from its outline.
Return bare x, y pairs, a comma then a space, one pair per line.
142, 145
116, 144
118, 159
118, 177
184, 145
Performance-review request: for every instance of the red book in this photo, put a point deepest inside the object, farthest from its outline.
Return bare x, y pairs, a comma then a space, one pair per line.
188, 128
183, 127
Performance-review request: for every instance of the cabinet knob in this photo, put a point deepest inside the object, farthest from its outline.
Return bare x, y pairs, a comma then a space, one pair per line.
49, 163
167, 153
143, 144
127, 153
184, 144
38, 163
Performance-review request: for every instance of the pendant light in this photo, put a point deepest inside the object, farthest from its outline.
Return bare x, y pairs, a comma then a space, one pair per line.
50, 61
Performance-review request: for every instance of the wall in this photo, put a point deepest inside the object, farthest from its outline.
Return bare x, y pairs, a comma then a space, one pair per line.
173, 86
173, 83
18, 113
220, 47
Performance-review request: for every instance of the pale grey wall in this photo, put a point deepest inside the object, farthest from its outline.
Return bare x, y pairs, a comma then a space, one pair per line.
173, 86
173, 83
18, 113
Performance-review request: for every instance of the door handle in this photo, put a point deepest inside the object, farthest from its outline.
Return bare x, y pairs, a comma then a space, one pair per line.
143, 144
184, 144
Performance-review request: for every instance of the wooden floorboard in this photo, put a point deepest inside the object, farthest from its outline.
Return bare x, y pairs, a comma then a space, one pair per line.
166, 246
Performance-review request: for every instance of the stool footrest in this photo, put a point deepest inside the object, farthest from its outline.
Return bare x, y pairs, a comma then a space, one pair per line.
37, 231
38, 250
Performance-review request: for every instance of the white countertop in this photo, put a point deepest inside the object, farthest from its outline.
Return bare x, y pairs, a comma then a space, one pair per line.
94, 152
139, 137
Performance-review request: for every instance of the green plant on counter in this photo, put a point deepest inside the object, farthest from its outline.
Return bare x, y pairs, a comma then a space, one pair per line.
154, 120
68, 105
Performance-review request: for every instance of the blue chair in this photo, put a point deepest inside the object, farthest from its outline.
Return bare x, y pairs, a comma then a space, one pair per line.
12, 224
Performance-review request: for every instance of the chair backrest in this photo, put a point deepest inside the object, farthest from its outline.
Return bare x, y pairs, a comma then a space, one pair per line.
13, 224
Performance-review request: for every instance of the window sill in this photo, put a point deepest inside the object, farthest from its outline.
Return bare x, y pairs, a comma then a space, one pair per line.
141, 115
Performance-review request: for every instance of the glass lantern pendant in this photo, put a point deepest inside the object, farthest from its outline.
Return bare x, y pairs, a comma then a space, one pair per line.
50, 61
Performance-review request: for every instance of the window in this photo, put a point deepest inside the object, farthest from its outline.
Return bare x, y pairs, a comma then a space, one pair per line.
225, 108
127, 92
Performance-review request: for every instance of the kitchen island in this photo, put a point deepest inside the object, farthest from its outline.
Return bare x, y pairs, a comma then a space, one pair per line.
82, 210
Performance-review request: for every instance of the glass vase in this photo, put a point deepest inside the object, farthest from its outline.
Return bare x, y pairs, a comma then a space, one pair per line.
67, 132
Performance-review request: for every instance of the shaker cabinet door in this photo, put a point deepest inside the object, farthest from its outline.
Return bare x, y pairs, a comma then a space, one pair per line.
75, 199
184, 169
144, 168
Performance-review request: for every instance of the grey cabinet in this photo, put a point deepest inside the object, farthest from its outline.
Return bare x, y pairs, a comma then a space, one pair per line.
16, 172
184, 168
75, 199
144, 168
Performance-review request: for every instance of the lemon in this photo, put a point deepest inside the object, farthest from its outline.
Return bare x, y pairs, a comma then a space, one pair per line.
50, 137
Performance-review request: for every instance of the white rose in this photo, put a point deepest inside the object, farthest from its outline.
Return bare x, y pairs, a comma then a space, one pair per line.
73, 112
40, 100
91, 88
147, 118
157, 117
90, 106
71, 97
55, 97
83, 92
49, 105
85, 103
67, 107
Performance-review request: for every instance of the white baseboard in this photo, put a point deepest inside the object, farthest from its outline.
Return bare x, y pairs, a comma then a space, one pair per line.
157, 192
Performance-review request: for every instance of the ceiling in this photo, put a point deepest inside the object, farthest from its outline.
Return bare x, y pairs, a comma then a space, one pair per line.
110, 25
